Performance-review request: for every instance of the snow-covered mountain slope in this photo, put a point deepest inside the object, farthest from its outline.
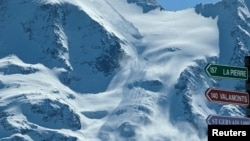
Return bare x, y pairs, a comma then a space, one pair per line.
108, 70
233, 25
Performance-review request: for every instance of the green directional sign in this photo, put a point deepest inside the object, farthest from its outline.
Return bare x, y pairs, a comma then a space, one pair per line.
224, 71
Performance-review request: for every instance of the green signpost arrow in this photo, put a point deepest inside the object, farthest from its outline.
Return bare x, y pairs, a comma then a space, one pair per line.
224, 71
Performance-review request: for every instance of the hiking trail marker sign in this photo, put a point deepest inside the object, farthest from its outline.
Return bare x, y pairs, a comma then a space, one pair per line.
228, 97
224, 71
227, 120
224, 96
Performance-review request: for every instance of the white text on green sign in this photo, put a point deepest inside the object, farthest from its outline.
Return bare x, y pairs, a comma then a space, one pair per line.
224, 71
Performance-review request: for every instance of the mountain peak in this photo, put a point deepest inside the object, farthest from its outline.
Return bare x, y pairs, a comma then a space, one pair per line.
114, 69
147, 5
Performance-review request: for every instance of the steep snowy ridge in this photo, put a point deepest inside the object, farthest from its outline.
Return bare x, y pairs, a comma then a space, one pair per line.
234, 40
237, 12
51, 31
147, 5
233, 43
108, 70
234, 35
47, 35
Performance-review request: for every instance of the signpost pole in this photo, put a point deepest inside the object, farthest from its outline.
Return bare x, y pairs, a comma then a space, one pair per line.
247, 85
